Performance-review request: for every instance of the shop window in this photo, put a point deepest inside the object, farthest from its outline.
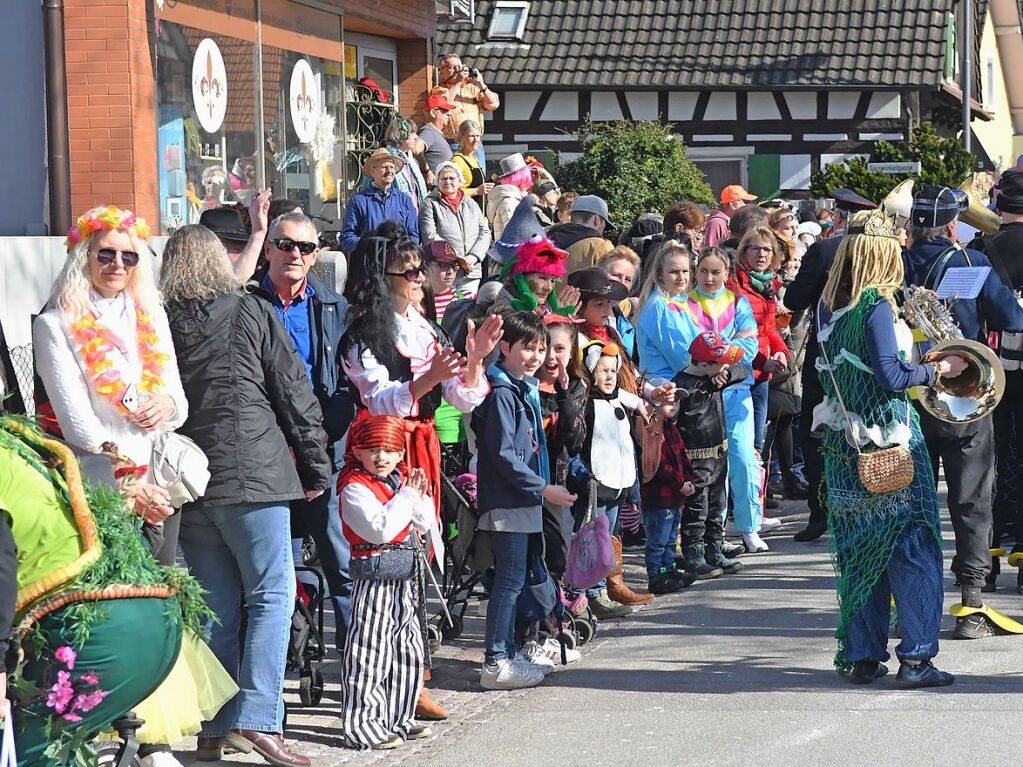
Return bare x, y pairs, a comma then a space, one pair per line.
508, 19
380, 71
207, 136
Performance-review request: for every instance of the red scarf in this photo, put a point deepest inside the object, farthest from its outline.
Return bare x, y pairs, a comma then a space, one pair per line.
454, 200
597, 333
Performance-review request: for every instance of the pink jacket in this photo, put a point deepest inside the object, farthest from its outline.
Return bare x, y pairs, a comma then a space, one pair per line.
717, 229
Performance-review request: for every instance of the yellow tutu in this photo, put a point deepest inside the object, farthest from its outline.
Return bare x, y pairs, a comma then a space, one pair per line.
192, 693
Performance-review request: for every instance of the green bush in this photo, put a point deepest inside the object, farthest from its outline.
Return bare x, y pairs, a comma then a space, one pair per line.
943, 161
637, 167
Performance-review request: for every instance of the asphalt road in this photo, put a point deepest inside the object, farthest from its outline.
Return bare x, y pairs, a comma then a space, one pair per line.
735, 671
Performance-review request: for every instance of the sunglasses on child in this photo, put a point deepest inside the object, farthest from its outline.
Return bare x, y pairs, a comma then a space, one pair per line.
411, 274
305, 248
107, 256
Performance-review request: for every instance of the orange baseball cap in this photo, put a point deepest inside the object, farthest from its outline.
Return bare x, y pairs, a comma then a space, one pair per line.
735, 192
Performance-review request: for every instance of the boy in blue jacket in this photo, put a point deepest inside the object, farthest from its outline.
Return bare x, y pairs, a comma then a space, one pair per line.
513, 473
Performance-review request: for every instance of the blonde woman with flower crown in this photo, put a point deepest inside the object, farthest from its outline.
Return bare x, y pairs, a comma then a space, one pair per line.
104, 353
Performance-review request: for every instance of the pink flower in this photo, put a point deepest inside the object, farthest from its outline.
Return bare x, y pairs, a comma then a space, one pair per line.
90, 701
61, 693
72, 717
66, 656
91, 678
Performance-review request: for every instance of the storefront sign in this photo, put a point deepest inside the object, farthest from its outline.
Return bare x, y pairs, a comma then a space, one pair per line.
305, 101
894, 168
209, 86
352, 62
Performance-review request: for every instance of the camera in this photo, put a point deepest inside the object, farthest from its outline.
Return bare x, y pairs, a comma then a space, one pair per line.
473, 73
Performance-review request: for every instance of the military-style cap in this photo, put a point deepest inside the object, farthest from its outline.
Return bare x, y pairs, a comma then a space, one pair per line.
849, 201
935, 206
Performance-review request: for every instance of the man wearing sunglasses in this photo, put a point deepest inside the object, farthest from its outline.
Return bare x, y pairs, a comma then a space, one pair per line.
378, 202
315, 317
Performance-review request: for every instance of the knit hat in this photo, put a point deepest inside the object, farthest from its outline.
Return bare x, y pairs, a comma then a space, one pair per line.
936, 206
595, 350
1010, 191
538, 256
711, 347
522, 226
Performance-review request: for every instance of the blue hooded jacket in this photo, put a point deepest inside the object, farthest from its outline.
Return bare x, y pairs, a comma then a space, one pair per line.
512, 463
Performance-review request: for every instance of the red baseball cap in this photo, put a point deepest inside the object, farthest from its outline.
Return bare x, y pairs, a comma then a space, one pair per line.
735, 192
439, 101
711, 347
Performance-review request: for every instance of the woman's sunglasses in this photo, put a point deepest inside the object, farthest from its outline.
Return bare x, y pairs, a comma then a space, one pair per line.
107, 256
305, 248
411, 274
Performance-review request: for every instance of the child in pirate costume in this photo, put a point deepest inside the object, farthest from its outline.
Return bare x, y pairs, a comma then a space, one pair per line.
713, 366
382, 506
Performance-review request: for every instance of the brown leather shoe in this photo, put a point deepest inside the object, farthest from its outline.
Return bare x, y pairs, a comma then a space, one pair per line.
616, 588
427, 710
269, 745
209, 750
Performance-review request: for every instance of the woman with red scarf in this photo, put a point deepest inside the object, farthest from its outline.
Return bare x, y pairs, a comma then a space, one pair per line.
401, 364
449, 214
756, 260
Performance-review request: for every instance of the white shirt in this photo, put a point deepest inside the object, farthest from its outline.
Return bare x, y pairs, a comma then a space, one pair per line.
416, 340
377, 522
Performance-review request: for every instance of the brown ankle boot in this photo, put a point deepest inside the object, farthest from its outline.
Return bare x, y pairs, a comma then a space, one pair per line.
616, 588
427, 710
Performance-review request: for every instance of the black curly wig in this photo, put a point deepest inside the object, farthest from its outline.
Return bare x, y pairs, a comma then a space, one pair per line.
368, 292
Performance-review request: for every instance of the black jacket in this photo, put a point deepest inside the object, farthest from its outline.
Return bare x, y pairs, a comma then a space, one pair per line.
566, 434
249, 401
8, 586
567, 235
1004, 249
701, 410
804, 292
330, 321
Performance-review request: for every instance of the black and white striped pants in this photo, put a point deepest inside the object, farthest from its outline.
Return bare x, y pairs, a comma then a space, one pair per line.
382, 668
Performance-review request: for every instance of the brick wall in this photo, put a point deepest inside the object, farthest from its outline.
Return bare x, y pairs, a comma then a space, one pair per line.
111, 106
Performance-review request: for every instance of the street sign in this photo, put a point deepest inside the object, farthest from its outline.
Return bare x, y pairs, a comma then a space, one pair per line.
894, 168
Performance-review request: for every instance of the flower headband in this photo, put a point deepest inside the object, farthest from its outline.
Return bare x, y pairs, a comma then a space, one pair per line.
106, 218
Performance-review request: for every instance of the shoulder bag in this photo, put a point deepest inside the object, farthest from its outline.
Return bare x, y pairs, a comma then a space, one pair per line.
885, 470
179, 467
590, 557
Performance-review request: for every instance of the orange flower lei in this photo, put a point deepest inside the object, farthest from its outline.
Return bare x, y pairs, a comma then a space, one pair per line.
95, 343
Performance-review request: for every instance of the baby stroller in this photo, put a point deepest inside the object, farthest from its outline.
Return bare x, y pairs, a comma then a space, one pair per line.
306, 648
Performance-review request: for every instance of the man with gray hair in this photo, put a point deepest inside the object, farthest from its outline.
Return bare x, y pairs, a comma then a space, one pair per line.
315, 317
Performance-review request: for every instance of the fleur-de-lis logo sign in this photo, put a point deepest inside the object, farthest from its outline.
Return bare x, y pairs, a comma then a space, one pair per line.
305, 101
209, 86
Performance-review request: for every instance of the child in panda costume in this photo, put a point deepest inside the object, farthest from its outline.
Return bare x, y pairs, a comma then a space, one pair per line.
609, 451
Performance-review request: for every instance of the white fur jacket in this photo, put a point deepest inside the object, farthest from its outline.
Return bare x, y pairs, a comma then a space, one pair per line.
86, 418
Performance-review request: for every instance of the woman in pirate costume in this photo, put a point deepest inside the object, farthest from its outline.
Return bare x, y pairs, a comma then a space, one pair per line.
884, 544
86, 581
401, 364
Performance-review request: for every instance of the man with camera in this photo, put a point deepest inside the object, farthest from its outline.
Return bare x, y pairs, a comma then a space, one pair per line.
470, 96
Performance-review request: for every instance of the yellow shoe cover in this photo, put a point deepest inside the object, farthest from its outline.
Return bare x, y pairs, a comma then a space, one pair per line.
1003, 622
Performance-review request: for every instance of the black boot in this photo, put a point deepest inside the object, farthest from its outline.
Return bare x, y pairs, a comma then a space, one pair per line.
795, 489
866, 671
812, 531
716, 558
975, 626
693, 562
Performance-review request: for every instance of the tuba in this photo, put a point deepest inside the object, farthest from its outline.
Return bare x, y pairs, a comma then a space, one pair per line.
978, 215
975, 392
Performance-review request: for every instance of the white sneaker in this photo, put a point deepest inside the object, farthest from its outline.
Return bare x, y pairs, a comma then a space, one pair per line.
534, 654
552, 649
508, 675
769, 523
754, 543
160, 759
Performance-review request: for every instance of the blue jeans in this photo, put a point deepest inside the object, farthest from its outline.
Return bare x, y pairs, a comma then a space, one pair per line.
510, 553
661, 535
914, 578
321, 520
238, 548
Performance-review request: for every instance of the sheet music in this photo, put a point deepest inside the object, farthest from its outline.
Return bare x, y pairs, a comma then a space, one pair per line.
963, 282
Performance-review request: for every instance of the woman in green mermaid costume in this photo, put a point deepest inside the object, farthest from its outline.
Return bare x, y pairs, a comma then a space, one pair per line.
889, 544
98, 624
